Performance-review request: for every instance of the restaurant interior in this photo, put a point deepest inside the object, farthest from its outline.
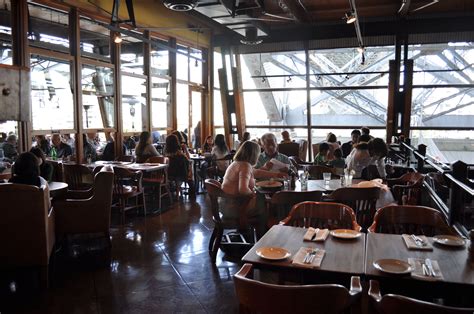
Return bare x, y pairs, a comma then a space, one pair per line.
237, 156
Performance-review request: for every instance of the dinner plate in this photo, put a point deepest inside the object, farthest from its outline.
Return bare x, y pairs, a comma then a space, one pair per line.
393, 266
269, 184
449, 240
345, 234
273, 253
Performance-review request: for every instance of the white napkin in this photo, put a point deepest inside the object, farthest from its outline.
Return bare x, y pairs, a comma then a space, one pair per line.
411, 244
300, 255
316, 234
417, 272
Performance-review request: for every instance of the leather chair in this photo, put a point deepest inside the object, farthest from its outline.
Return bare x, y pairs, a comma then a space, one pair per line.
289, 149
394, 304
26, 228
259, 297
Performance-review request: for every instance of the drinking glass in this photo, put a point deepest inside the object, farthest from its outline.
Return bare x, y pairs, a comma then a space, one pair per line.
326, 177
304, 182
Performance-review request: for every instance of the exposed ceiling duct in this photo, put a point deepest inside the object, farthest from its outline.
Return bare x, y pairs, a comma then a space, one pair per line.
251, 37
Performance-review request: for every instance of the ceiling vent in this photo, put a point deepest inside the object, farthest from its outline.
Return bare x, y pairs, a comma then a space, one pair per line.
251, 37
180, 5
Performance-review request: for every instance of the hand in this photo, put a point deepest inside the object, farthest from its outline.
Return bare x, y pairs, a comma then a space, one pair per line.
282, 175
268, 165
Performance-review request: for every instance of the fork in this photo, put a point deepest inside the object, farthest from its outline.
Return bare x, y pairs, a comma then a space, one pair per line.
310, 256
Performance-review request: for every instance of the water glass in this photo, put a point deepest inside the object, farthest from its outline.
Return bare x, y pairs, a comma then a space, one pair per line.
348, 179
327, 177
304, 182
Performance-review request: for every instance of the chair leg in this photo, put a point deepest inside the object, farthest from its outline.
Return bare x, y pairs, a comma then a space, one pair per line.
212, 239
159, 195
144, 204
217, 244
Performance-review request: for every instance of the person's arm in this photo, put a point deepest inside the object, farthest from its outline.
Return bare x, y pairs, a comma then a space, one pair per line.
265, 174
152, 150
380, 163
244, 180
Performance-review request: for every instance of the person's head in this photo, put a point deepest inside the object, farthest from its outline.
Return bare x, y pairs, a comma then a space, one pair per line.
364, 138
249, 151
331, 138
338, 153
378, 148
285, 135
180, 136
219, 141
365, 130
209, 141
362, 146
91, 136
245, 136
3, 137
38, 152
172, 144
145, 138
56, 139
12, 139
269, 143
355, 135
323, 148
26, 165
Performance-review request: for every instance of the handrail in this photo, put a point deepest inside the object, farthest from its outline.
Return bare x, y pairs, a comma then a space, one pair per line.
463, 186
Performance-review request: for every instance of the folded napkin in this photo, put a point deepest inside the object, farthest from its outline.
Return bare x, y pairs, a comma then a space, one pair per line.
417, 272
412, 244
300, 255
316, 234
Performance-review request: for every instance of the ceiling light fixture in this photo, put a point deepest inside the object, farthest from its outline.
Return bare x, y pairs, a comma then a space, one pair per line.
350, 17
361, 49
180, 5
117, 38
251, 37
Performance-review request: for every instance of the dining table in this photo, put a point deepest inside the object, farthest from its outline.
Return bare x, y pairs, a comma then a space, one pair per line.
343, 257
312, 185
197, 160
57, 189
455, 266
6, 174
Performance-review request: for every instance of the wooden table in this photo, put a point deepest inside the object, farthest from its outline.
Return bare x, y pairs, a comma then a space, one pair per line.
343, 257
146, 167
457, 270
57, 189
6, 174
313, 185
197, 160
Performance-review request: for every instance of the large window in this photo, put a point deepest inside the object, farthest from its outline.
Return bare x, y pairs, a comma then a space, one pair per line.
50, 28
52, 102
134, 110
95, 39
161, 88
131, 55
5, 34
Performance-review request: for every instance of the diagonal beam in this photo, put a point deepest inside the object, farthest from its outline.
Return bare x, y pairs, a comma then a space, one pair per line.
442, 113
297, 11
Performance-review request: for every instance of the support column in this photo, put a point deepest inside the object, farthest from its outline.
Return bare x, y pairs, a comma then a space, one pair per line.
206, 108
172, 117
308, 104
115, 55
149, 83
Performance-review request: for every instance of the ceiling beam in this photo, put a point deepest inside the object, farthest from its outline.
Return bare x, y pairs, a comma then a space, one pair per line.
295, 8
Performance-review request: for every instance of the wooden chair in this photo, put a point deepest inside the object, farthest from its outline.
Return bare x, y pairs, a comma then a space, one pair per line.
259, 297
298, 163
221, 223
78, 177
126, 158
282, 201
316, 172
418, 220
88, 215
289, 149
303, 150
370, 172
407, 189
394, 304
127, 185
213, 170
322, 215
26, 229
362, 200
159, 179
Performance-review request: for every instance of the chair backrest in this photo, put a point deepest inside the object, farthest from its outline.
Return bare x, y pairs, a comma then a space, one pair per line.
126, 158
395, 304
214, 190
322, 215
158, 159
407, 189
315, 148
410, 219
370, 172
26, 225
303, 149
316, 172
259, 297
289, 149
125, 177
78, 177
290, 198
362, 200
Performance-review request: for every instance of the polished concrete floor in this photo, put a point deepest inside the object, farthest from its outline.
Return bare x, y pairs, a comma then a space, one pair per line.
160, 264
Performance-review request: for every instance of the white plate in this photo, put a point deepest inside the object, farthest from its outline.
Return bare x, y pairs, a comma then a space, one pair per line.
449, 240
393, 266
273, 253
345, 234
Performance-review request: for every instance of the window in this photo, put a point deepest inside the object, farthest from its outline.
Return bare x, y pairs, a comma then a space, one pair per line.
134, 110
95, 39
52, 101
131, 55
98, 97
6, 33
50, 28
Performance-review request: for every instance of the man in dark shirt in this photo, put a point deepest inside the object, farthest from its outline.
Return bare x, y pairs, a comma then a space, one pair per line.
62, 149
347, 147
9, 148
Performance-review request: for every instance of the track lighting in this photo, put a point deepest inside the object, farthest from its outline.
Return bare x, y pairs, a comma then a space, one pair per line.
350, 17
117, 38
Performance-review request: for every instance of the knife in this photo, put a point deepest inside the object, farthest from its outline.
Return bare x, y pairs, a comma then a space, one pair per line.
430, 267
417, 241
315, 235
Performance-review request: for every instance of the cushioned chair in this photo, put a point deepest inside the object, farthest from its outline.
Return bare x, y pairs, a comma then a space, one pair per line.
289, 149
322, 215
158, 179
259, 297
26, 228
407, 189
395, 304
411, 220
242, 222
298, 163
362, 200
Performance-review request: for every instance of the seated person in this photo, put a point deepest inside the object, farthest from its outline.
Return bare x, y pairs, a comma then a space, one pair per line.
26, 171
145, 148
321, 157
109, 149
9, 147
43, 143
46, 169
358, 159
208, 145
285, 137
378, 151
239, 180
347, 147
62, 149
219, 151
366, 131
178, 166
338, 162
88, 149
265, 168
331, 139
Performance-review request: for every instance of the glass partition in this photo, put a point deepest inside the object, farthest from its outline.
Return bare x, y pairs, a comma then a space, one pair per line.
133, 104
52, 101
98, 97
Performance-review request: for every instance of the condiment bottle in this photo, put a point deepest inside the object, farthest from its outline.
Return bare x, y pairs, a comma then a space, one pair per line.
293, 181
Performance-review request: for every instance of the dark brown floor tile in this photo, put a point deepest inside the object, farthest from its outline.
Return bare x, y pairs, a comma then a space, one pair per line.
216, 296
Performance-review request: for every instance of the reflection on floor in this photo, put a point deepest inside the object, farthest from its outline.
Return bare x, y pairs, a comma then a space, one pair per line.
160, 264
